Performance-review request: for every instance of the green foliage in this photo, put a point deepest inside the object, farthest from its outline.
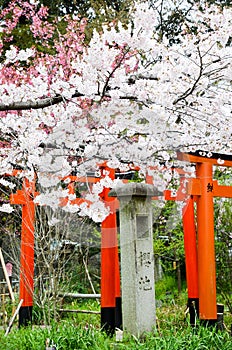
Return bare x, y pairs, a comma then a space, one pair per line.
223, 240
81, 305
69, 336
136, 177
168, 236
165, 288
38, 314
82, 331
86, 8
97, 13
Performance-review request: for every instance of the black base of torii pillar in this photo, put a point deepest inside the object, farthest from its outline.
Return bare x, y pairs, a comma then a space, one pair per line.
25, 316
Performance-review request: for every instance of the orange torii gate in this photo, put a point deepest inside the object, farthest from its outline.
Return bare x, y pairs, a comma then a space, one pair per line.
111, 316
110, 276
202, 262
199, 244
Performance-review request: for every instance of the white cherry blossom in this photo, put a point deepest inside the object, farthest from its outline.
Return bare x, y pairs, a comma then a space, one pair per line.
128, 97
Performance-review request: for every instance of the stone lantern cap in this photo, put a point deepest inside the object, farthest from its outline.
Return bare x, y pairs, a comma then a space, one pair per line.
135, 189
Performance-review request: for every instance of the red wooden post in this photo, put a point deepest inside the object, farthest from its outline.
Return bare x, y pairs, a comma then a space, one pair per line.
206, 251
110, 276
191, 264
190, 245
25, 198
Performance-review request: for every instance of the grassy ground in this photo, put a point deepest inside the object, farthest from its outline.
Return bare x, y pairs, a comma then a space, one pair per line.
80, 331
69, 336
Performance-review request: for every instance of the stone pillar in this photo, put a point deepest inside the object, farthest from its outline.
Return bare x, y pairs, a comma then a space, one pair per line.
137, 257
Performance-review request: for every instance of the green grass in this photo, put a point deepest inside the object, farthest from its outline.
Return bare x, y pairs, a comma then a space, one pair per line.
81, 331
69, 336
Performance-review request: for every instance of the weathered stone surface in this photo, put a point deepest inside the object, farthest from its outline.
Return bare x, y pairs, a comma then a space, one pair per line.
133, 189
137, 257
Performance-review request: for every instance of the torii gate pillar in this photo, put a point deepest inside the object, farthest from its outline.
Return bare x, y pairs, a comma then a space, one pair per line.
111, 314
206, 250
25, 198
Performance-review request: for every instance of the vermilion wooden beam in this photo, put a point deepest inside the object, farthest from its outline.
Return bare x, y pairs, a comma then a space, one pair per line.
213, 160
18, 198
179, 196
194, 187
14, 173
221, 191
89, 179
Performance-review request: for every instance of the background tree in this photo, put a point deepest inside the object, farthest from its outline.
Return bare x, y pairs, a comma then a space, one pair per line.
173, 15
97, 13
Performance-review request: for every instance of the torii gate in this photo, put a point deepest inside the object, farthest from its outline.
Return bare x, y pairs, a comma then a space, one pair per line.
199, 244
110, 284
111, 316
200, 254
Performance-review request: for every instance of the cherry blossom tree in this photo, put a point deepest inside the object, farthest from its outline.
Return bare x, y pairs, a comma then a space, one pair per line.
128, 95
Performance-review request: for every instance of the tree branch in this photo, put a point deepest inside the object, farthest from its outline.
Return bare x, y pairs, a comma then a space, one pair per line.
50, 101
36, 104
190, 90
111, 74
47, 102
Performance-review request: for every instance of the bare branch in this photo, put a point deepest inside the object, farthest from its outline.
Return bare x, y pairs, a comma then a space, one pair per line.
47, 102
191, 90
36, 104
111, 74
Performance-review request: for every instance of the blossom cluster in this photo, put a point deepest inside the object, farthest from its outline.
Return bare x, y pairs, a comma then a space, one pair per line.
126, 95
